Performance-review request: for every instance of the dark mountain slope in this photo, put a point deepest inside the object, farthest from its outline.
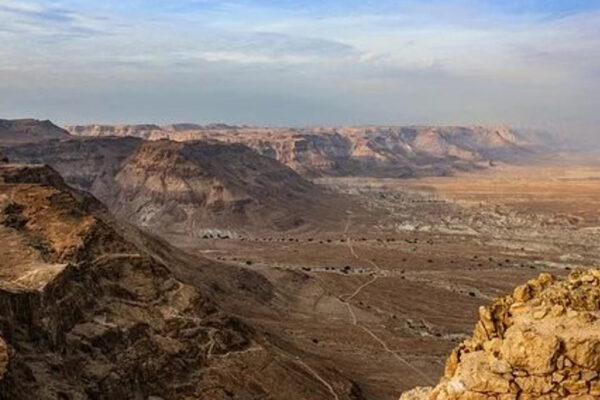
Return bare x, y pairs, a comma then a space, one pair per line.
192, 187
29, 130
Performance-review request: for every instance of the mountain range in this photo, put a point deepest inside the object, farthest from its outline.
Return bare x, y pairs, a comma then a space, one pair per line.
390, 151
218, 179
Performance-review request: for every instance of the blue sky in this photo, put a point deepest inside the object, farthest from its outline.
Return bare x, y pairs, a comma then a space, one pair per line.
526, 63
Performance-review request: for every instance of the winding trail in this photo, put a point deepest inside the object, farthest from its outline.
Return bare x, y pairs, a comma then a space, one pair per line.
354, 320
396, 355
351, 312
312, 371
318, 377
353, 252
360, 288
114, 256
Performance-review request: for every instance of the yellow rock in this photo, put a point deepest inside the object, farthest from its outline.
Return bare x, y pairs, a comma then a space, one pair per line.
530, 350
542, 343
535, 384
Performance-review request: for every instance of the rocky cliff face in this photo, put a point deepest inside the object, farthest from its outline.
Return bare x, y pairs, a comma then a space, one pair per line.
193, 185
141, 131
374, 150
185, 187
89, 164
85, 313
29, 130
542, 342
3, 357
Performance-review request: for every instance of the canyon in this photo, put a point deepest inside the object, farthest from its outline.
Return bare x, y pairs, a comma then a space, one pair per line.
221, 262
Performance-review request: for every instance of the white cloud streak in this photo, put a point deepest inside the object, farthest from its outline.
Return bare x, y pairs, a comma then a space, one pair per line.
419, 62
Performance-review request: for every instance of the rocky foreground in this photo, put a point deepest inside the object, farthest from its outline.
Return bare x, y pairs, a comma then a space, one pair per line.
86, 312
541, 342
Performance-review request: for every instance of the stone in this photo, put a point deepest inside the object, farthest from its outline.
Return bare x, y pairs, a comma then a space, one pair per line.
542, 342
475, 374
417, 393
583, 351
530, 350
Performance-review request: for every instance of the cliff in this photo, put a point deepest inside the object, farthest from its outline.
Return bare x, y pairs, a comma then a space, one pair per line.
541, 342
350, 151
186, 187
88, 312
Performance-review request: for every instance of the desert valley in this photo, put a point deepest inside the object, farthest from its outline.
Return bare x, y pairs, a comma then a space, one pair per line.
240, 262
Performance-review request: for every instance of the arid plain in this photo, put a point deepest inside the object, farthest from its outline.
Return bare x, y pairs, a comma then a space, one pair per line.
385, 300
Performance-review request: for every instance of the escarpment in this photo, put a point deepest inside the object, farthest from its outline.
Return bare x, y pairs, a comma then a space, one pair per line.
20, 131
377, 151
541, 342
87, 314
186, 188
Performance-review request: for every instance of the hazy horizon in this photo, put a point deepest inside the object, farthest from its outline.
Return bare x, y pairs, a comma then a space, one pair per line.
287, 63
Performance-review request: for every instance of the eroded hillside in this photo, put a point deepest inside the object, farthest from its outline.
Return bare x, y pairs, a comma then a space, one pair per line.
87, 314
194, 188
29, 130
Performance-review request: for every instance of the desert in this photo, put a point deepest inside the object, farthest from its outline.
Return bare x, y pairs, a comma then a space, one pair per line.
352, 286
299, 200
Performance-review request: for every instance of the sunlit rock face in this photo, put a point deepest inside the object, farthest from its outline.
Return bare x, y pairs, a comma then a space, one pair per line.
541, 342
185, 187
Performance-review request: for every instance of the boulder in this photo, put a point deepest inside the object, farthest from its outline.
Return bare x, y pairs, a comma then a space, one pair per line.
541, 342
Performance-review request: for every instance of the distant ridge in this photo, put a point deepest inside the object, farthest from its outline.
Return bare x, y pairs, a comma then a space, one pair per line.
29, 130
396, 151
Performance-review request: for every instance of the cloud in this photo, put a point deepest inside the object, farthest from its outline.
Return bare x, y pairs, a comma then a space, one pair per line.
34, 19
37, 12
378, 61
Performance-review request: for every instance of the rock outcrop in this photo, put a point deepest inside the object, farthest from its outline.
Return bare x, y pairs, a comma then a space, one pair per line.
185, 188
541, 342
87, 312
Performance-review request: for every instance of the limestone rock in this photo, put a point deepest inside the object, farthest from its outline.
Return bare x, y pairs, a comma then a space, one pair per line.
417, 393
93, 309
541, 342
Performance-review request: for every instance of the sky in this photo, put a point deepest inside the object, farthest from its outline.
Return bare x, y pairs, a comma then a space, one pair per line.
525, 63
